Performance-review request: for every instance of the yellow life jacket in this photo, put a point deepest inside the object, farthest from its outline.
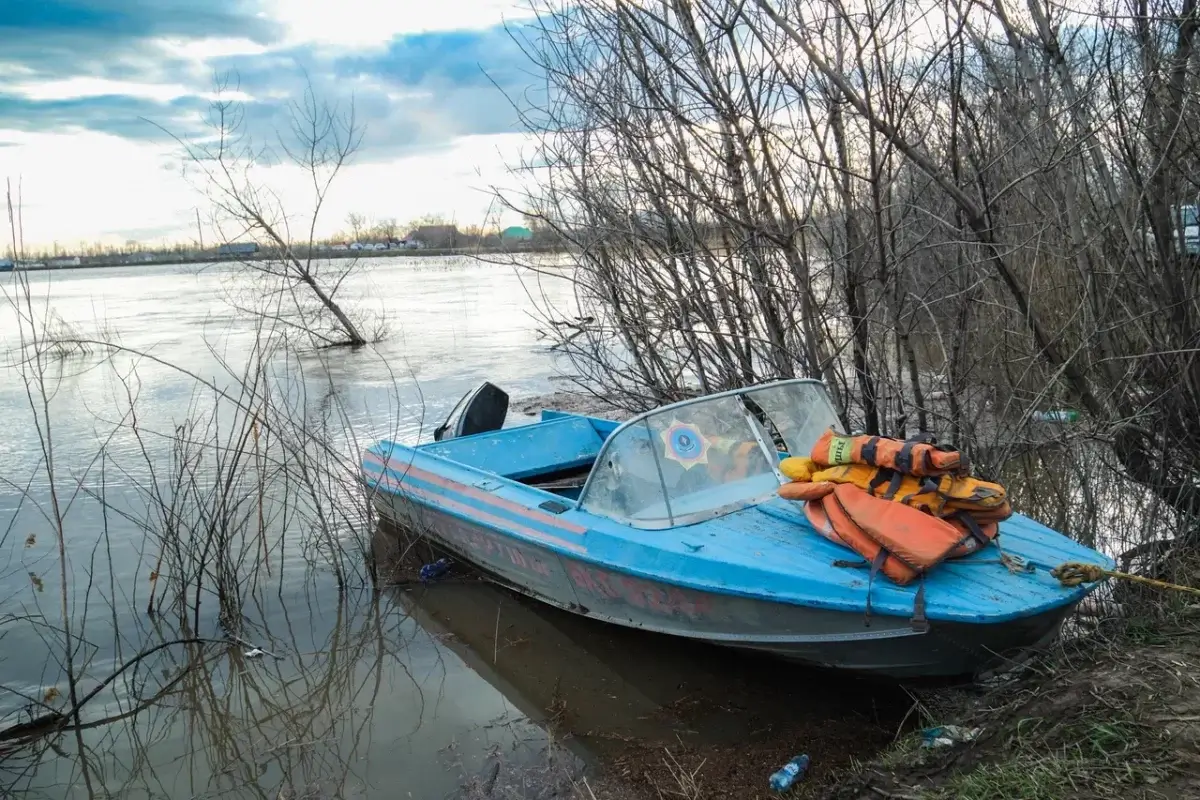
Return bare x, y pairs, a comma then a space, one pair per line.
941, 496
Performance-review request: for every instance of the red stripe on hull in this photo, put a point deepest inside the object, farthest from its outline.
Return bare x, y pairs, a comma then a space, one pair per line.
478, 494
475, 513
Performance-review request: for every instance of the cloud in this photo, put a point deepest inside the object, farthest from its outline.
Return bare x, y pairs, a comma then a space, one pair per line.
101, 64
120, 115
95, 187
135, 18
447, 57
118, 39
367, 24
80, 77
418, 90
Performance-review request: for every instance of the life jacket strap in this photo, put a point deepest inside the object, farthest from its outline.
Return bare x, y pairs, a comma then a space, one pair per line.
894, 485
919, 621
869, 450
973, 529
893, 478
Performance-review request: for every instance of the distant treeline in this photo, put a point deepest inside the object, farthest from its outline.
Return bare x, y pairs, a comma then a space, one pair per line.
211, 256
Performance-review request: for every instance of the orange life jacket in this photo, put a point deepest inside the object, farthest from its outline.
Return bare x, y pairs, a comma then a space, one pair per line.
913, 457
905, 507
738, 459
804, 491
894, 538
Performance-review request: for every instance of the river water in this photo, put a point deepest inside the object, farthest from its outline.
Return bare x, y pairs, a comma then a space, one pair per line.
405, 692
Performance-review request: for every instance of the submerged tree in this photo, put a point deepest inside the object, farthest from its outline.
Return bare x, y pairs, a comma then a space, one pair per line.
289, 282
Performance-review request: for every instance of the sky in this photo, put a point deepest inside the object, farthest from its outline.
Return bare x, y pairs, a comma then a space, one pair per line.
92, 92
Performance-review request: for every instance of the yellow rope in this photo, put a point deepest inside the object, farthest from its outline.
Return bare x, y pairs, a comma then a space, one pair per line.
1072, 574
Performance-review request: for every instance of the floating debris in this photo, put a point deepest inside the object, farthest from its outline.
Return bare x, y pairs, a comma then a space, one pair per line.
1060, 416
431, 572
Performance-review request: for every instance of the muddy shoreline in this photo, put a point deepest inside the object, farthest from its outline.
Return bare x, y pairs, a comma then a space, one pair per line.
1112, 710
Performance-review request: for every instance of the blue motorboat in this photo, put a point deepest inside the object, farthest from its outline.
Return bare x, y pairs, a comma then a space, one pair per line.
655, 523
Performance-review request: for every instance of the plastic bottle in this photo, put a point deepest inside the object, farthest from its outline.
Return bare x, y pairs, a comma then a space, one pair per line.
791, 772
431, 572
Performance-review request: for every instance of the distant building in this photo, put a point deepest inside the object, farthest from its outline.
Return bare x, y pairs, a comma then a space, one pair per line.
516, 234
238, 249
6, 265
68, 261
436, 236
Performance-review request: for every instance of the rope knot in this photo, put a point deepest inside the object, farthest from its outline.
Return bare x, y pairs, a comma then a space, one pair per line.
1073, 574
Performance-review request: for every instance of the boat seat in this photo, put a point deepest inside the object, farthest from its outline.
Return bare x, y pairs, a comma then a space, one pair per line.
525, 451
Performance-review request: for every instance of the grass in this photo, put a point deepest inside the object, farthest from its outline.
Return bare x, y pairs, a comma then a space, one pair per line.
1049, 778
904, 753
1103, 719
1031, 777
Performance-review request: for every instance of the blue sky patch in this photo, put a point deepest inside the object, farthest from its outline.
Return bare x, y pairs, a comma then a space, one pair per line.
416, 91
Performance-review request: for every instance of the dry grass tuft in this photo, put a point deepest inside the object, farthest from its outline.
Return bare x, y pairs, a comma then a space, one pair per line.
1105, 718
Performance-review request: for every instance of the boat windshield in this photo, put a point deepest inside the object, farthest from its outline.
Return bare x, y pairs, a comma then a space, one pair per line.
800, 412
702, 458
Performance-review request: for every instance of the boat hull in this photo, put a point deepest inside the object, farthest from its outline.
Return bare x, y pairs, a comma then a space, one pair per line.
885, 646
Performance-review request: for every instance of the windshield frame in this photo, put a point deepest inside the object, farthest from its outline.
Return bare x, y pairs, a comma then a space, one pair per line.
767, 448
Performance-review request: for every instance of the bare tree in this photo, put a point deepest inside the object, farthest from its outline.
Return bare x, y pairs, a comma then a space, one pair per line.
386, 229
956, 215
290, 283
357, 223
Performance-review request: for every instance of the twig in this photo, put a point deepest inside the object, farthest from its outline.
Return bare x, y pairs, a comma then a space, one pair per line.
496, 635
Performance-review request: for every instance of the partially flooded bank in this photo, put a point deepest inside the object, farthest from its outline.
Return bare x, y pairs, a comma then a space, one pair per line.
643, 713
456, 689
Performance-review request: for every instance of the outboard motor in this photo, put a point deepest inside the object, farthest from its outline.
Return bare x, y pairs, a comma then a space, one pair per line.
479, 411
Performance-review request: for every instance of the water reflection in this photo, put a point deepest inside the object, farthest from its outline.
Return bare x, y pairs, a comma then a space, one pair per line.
347, 710
608, 691
353, 699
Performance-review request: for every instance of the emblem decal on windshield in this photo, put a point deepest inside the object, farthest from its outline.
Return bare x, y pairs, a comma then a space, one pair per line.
685, 444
